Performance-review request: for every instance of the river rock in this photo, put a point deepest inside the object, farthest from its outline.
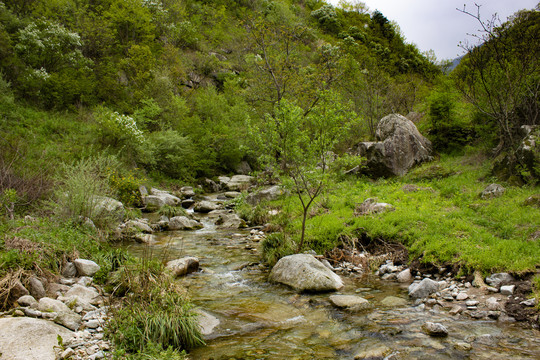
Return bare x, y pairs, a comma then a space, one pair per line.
64, 316
205, 206
85, 293
305, 273
492, 191
507, 289
268, 194
400, 146
374, 353
18, 290
36, 288
350, 302
30, 339
206, 322
227, 219
110, 206
159, 198
183, 223
423, 289
393, 301
493, 304
26, 300
404, 276
435, 329
499, 279
187, 192
69, 270
86, 267
138, 225
183, 266
239, 182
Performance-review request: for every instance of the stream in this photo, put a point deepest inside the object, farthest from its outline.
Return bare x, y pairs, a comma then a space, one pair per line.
260, 320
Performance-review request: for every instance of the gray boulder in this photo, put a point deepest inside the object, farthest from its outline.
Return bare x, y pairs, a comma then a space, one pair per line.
371, 206
26, 300
30, 339
183, 223
138, 225
243, 168
36, 288
69, 270
110, 206
86, 267
159, 198
423, 289
227, 219
84, 293
350, 302
400, 146
393, 301
499, 279
492, 191
435, 329
236, 183
183, 266
64, 317
205, 206
404, 276
187, 192
269, 194
305, 273
206, 322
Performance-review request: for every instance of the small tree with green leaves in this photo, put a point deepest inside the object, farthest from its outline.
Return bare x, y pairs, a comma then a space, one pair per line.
299, 147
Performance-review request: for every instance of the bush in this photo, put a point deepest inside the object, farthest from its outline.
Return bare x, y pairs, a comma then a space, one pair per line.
171, 211
78, 185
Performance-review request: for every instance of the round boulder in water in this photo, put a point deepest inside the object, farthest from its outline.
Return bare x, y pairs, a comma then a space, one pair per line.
304, 272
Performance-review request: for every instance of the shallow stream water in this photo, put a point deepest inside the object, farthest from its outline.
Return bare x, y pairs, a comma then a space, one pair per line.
260, 320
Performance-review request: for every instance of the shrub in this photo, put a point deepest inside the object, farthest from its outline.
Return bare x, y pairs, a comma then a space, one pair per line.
78, 185
126, 187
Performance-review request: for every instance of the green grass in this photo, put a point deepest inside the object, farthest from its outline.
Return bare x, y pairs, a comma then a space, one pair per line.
446, 221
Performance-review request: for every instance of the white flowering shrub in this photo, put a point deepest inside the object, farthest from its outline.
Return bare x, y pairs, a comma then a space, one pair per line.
118, 129
49, 47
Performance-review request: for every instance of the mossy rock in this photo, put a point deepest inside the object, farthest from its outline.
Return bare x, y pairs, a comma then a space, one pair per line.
533, 200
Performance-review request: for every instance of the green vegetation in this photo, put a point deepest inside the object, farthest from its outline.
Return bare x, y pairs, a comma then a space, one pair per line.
97, 98
440, 219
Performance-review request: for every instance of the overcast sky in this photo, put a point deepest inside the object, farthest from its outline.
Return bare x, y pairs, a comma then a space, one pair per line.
437, 25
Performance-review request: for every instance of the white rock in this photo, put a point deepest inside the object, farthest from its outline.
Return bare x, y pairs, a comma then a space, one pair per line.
507, 289
86, 267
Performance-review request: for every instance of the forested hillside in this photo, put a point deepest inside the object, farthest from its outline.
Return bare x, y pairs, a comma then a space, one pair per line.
156, 79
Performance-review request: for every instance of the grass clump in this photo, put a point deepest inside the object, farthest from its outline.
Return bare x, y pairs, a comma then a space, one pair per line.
155, 317
171, 211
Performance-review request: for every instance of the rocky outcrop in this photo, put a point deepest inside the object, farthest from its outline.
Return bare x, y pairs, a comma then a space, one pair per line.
304, 272
400, 146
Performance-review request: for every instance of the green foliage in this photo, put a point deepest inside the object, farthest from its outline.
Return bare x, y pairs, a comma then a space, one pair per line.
125, 187
171, 211
275, 246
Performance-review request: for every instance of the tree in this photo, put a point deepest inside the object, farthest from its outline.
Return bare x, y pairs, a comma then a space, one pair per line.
299, 147
501, 76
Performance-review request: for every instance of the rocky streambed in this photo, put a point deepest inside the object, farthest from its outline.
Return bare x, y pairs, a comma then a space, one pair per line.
392, 314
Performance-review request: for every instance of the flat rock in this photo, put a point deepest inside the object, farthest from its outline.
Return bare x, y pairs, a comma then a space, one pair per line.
507, 289
85, 293
393, 301
30, 339
350, 302
206, 322
305, 273
205, 206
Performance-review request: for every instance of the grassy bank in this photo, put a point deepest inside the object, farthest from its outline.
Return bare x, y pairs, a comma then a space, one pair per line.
439, 216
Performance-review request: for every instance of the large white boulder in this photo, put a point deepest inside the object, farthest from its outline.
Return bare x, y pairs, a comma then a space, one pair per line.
305, 273
24, 338
183, 223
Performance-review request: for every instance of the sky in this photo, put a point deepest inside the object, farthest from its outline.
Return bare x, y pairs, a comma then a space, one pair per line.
437, 25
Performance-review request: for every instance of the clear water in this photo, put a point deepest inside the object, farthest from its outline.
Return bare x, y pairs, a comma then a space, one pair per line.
260, 320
